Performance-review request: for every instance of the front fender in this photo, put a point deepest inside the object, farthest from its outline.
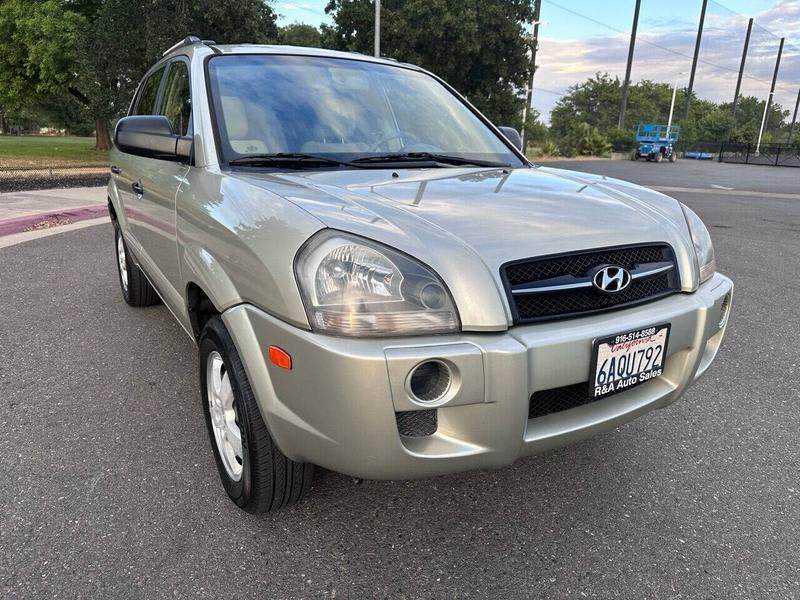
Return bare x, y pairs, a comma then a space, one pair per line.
238, 243
205, 271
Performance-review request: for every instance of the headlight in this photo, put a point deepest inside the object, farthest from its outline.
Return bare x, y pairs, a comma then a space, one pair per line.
355, 287
702, 244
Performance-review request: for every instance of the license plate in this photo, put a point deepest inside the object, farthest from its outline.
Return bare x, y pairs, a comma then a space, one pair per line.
627, 359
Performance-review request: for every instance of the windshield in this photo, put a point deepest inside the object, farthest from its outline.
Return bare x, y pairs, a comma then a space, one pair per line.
341, 109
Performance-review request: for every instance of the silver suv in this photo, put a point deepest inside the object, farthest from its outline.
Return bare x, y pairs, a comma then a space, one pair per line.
380, 283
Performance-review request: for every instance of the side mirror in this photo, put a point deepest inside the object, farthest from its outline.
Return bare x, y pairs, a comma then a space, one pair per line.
151, 136
512, 135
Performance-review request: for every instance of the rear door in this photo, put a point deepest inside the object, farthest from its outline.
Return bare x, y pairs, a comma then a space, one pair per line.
152, 214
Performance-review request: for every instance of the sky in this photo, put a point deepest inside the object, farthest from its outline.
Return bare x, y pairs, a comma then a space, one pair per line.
579, 38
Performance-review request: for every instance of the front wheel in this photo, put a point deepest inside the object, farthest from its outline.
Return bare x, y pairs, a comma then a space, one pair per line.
672, 157
659, 157
254, 472
635, 155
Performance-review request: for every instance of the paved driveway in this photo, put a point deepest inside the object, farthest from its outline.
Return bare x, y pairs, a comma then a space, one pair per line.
109, 487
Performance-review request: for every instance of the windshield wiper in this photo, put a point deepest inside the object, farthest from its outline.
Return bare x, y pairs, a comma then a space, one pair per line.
287, 158
428, 157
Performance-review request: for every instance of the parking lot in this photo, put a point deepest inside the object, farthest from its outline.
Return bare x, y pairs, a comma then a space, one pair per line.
110, 489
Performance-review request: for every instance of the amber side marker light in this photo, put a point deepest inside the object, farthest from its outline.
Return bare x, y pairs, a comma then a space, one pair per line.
279, 356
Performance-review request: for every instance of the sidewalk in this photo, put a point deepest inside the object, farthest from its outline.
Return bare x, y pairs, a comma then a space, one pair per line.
24, 211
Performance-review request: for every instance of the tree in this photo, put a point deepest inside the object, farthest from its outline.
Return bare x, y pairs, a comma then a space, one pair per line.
123, 38
300, 34
536, 131
477, 46
596, 102
97, 50
37, 51
749, 112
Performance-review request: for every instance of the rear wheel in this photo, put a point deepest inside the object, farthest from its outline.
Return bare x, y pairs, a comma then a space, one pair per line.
635, 155
254, 472
136, 290
672, 157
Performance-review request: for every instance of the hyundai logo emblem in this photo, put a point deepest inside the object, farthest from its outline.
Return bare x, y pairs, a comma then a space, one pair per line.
611, 279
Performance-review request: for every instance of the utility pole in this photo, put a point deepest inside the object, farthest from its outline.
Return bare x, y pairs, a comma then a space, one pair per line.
627, 82
774, 81
694, 60
377, 28
794, 120
741, 68
537, 8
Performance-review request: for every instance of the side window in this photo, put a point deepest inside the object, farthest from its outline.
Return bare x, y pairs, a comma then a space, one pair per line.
177, 104
147, 99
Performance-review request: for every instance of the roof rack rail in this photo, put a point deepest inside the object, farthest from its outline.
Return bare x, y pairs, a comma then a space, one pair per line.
188, 41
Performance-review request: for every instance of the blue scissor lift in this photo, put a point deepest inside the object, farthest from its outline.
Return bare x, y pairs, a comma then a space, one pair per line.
655, 142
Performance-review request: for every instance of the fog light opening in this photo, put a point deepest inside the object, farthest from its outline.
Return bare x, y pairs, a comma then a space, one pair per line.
724, 311
429, 381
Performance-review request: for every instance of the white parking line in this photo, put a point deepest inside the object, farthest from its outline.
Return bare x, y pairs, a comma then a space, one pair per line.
664, 188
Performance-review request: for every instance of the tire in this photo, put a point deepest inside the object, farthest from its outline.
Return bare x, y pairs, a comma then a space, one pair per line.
659, 157
136, 290
265, 480
672, 157
635, 155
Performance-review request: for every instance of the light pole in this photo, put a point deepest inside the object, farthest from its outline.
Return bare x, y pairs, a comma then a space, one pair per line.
672, 104
377, 28
763, 120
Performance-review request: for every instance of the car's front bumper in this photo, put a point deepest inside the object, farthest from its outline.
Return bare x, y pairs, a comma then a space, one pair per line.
337, 406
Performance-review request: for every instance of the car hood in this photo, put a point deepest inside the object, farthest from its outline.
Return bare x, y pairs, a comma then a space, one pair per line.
502, 214
492, 215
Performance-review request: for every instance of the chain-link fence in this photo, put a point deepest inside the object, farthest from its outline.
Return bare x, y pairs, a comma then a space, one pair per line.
18, 178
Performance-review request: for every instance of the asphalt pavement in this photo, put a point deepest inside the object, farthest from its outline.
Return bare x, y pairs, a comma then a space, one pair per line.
109, 488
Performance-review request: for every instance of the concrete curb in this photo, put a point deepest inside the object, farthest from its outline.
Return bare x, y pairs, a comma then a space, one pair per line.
70, 215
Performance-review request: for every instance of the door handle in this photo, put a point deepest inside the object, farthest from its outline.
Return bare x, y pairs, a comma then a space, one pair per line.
116, 170
138, 189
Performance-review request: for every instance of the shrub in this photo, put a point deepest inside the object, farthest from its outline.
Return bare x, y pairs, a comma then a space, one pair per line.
621, 140
585, 140
549, 149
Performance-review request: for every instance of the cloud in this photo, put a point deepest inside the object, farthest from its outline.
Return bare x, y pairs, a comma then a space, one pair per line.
665, 49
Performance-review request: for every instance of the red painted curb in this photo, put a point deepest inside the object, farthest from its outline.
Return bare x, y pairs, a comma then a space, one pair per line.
71, 215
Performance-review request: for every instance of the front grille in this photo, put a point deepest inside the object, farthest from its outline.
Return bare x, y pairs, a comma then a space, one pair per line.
555, 400
537, 306
581, 301
417, 423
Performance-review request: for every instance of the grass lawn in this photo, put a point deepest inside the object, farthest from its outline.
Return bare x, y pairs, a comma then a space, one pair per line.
45, 150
